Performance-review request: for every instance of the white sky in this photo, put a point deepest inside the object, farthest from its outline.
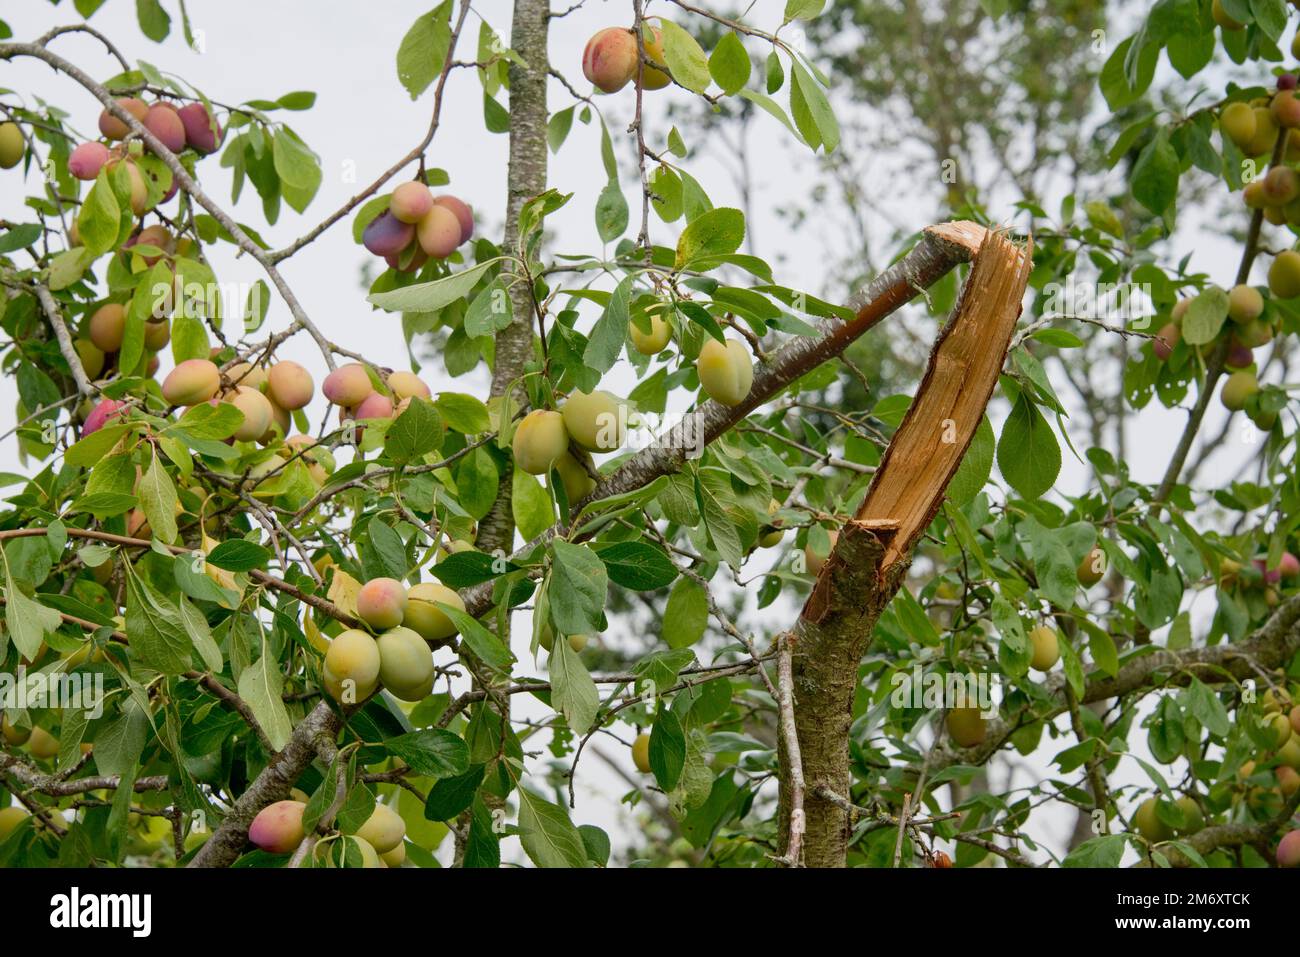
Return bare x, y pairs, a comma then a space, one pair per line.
363, 120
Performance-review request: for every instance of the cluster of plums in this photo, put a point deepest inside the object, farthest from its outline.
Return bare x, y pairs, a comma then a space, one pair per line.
278, 829
351, 389
610, 58
418, 226
1248, 329
398, 658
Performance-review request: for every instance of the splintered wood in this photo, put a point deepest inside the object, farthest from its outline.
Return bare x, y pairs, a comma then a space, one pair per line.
964, 366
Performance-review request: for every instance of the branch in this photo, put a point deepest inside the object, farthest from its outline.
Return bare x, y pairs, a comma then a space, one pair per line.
52, 785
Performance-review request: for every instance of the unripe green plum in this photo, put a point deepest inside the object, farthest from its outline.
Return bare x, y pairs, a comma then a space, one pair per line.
1266, 133
966, 726
1284, 275
42, 744
107, 326
540, 439
114, 129
1276, 214
1278, 731
354, 656
464, 215
1092, 569
1252, 194
157, 335
1237, 122
426, 618
406, 385
381, 602
1222, 18
91, 356
410, 202
1148, 823
1255, 334
396, 857
10, 818
12, 145
547, 639
656, 340
348, 385
815, 561
192, 382
578, 482
405, 664
610, 58
1045, 646
277, 829
1288, 850
257, 412
1289, 753
289, 385
1245, 304
384, 829
1193, 818
641, 753
1238, 388
652, 79
726, 374
594, 420
14, 737
438, 232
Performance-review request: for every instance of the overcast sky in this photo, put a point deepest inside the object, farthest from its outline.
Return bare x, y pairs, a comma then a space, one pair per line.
363, 120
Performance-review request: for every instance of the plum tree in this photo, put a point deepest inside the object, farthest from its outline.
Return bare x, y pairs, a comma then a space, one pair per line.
423, 614
381, 602
1148, 823
610, 58
277, 828
726, 374
192, 382
595, 420
641, 753
1045, 648
354, 656
384, 829
405, 664
289, 385
966, 726
540, 439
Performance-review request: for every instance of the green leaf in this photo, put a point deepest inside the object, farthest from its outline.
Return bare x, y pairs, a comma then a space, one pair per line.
424, 49
100, 219
90, 450
686, 615
464, 413
297, 167
1105, 851
1205, 316
1206, 707
484, 645
729, 64
414, 433
578, 587
239, 555
611, 212
547, 835
431, 752
432, 296
610, 331
153, 19
1154, 181
973, 473
26, 619
812, 110
157, 631
667, 748
1028, 453
531, 505
158, 500
573, 693
638, 565
718, 232
452, 795
685, 58
261, 685
490, 311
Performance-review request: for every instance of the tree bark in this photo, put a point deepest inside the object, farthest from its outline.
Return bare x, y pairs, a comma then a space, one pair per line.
870, 559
